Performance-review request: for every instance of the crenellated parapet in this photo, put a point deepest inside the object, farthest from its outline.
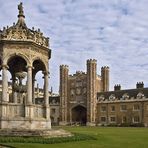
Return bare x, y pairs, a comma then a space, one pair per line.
105, 67
91, 61
64, 67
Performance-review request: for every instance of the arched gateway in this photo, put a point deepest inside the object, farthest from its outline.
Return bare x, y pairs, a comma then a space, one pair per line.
23, 52
79, 115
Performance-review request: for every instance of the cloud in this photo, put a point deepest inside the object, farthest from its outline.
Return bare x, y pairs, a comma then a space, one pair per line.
113, 32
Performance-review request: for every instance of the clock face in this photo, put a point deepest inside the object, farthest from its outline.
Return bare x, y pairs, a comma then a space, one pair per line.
78, 91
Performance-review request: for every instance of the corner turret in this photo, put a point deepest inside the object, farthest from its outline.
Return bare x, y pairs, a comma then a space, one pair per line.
105, 78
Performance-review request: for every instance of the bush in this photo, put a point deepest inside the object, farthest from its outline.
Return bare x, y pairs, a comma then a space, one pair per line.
42, 140
112, 125
131, 125
125, 125
137, 125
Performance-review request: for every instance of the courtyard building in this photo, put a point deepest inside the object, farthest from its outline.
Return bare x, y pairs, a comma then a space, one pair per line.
78, 93
85, 99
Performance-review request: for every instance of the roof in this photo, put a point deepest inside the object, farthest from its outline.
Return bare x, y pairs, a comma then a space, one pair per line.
123, 94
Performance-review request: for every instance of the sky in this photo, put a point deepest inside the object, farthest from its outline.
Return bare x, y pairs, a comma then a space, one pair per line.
114, 32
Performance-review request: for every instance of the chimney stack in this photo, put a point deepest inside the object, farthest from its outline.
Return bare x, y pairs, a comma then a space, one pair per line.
140, 85
117, 87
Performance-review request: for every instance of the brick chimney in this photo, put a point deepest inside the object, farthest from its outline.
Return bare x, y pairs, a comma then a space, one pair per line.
140, 85
117, 87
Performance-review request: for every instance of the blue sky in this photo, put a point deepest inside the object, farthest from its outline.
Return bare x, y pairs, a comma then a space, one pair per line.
115, 32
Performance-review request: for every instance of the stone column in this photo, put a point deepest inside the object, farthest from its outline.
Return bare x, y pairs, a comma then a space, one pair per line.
46, 96
4, 83
33, 91
14, 94
29, 85
64, 70
14, 97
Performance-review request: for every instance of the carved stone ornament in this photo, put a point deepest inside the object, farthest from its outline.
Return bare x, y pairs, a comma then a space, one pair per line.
78, 91
20, 32
72, 92
84, 90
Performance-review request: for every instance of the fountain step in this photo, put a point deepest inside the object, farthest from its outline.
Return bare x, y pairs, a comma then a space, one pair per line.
34, 133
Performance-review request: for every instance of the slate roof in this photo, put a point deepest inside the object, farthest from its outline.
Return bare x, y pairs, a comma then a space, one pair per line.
118, 95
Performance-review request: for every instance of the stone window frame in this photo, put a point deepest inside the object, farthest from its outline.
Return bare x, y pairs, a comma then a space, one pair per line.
112, 117
101, 108
136, 119
136, 109
112, 108
104, 118
121, 108
123, 119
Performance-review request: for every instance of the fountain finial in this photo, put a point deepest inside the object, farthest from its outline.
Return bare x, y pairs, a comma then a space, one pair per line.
21, 11
21, 22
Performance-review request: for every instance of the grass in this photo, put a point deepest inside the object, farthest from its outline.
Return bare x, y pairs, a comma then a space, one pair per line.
107, 137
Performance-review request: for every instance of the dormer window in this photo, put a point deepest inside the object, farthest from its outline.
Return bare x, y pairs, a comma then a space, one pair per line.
101, 98
125, 96
112, 97
140, 95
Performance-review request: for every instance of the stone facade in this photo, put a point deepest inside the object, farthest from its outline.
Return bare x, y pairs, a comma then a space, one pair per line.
85, 99
54, 101
78, 93
23, 52
123, 107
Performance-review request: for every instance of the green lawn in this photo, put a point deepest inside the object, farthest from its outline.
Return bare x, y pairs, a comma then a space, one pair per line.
107, 137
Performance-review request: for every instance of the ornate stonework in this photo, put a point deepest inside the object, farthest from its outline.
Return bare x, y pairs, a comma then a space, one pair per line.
23, 52
78, 95
20, 32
